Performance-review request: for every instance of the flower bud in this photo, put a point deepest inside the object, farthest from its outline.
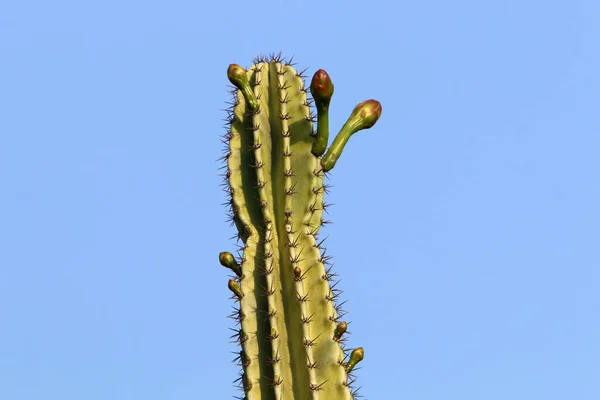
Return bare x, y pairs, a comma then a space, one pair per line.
228, 261
357, 356
340, 329
237, 76
366, 114
363, 116
321, 88
234, 286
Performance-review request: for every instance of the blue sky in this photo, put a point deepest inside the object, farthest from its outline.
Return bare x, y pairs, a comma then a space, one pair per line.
466, 222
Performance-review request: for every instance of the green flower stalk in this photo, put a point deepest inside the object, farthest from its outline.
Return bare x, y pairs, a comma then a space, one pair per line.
290, 327
363, 116
321, 89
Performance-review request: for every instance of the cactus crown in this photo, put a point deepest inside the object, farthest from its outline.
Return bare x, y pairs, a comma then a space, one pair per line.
290, 327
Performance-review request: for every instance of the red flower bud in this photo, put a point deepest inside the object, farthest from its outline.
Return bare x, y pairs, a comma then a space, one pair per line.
321, 88
367, 112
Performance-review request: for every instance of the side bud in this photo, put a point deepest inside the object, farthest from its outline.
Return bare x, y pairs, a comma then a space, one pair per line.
340, 329
321, 88
234, 286
364, 116
237, 76
297, 274
228, 261
356, 356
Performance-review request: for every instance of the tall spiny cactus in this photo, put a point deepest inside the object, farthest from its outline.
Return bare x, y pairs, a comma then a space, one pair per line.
290, 330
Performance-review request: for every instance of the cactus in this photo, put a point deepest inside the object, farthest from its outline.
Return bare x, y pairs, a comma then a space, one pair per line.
290, 328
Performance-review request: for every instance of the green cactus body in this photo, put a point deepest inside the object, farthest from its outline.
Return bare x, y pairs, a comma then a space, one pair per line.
290, 333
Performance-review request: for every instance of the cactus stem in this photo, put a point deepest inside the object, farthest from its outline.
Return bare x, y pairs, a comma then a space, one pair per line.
237, 76
356, 356
364, 116
290, 328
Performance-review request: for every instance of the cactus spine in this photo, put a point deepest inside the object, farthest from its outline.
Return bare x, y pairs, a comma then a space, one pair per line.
290, 330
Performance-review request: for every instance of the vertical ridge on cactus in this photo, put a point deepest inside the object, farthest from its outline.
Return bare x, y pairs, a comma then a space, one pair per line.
289, 323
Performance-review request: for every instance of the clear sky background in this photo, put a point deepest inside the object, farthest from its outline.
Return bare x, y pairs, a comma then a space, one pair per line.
466, 222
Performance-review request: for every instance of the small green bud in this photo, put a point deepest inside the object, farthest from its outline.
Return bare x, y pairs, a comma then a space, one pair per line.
340, 329
237, 76
228, 261
356, 356
297, 273
234, 286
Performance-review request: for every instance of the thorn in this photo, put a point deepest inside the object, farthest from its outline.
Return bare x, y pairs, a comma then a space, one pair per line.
270, 291
306, 320
301, 73
302, 299
274, 360
274, 334
308, 342
291, 62
246, 383
316, 388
